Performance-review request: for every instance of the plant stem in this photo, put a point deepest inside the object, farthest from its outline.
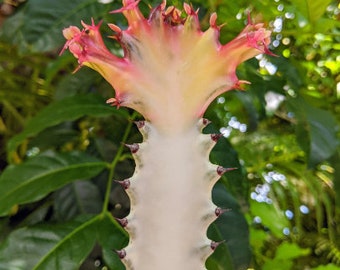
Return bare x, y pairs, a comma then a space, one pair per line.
115, 161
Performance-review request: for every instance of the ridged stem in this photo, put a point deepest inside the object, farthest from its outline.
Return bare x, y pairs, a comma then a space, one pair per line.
171, 206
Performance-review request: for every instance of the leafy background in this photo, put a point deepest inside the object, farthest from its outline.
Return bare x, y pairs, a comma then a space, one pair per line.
61, 145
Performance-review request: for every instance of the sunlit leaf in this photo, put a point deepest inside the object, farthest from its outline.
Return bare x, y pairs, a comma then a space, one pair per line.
287, 251
271, 216
312, 9
284, 256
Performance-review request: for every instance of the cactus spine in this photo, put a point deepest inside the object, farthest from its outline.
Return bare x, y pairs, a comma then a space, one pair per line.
170, 73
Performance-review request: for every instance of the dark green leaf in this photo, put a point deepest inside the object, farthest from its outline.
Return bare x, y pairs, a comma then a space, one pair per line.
67, 109
74, 84
34, 179
111, 237
70, 251
62, 246
25, 247
79, 197
335, 161
232, 228
316, 130
225, 155
38, 26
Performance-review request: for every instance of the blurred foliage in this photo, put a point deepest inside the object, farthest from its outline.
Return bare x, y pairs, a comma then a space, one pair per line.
60, 143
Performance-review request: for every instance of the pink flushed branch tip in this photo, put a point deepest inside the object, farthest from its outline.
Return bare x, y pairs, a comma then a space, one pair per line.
169, 63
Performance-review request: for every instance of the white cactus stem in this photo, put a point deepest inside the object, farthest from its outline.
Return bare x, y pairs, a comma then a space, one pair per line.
171, 204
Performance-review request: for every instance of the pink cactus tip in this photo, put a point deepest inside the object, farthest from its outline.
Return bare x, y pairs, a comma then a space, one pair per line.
169, 63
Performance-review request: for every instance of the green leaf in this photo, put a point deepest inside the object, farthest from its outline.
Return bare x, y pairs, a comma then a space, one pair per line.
277, 264
288, 251
327, 267
271, 217
70, 251
37, 27
76, 198
61, 246
111, 237
34, 179
26, 246
232, 228
285, 253
316, 130
77, 83
225, 155
67, 109
312, 10
335, 161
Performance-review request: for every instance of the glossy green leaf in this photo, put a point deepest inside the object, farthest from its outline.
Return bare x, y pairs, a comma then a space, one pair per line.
77, 198
37, 27
111, 237
27, 246
225, 155
34, 179
67, 109
66, 254
61, 246
232, 228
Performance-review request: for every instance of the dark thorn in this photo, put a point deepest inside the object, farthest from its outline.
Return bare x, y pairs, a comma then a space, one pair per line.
133, 147
140, 124
221, 170
121, 253
205, 122
215, 137
122, 221
219, 211
214, 245
124, 183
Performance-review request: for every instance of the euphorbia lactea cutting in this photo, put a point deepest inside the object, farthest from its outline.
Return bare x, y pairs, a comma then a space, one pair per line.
171, 71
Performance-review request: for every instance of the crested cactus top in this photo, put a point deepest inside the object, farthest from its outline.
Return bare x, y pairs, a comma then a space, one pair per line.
170, 65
